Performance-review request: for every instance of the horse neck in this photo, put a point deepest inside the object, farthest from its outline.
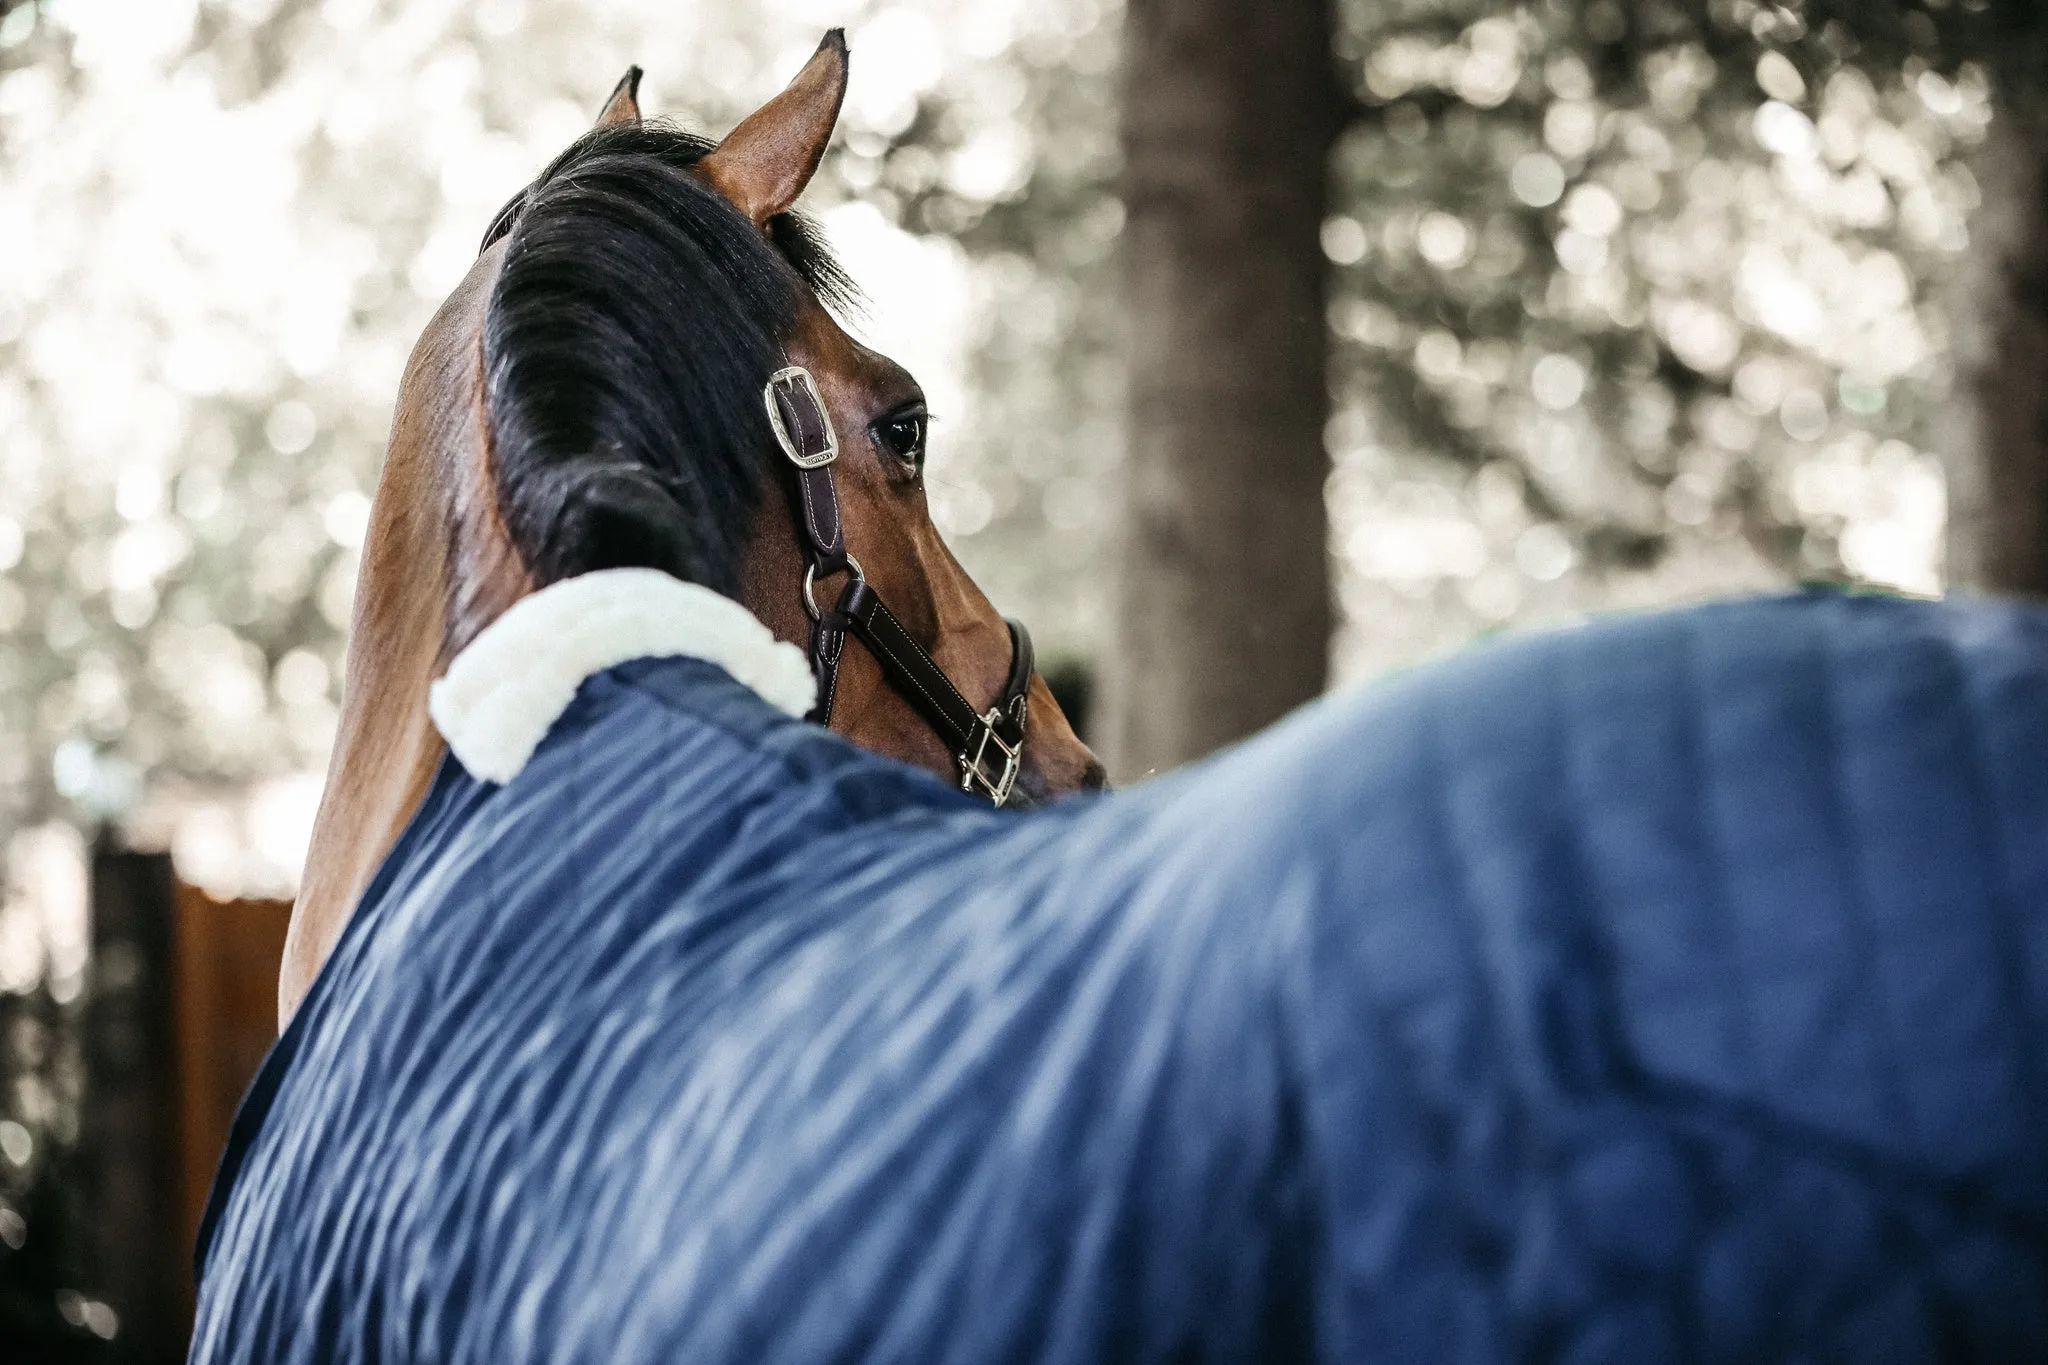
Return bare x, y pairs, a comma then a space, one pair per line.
437, 567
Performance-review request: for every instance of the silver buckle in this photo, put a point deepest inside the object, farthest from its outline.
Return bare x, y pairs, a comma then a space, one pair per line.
798, 376
971, 774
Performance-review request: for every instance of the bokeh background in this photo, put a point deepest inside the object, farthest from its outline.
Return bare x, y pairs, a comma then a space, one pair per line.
1626, 303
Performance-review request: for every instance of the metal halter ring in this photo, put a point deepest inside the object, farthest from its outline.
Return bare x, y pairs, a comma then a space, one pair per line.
811, 577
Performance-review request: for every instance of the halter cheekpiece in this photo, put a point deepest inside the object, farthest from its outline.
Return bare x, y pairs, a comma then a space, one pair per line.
987, 747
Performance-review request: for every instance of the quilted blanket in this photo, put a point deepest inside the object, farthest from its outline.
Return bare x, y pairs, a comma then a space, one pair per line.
1674, 987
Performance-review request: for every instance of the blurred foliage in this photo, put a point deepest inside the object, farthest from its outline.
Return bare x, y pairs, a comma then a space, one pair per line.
1639, 301
42, 1265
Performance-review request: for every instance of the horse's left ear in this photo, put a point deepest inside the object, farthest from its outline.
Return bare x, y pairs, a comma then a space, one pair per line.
623, 107
764, 164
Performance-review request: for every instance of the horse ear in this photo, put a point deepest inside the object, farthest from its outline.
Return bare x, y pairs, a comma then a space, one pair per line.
764, 164
623, 107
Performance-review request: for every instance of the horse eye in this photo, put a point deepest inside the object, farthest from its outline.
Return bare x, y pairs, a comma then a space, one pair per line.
904, 436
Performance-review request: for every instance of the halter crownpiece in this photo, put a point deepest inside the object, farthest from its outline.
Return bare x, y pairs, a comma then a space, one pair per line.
988, 747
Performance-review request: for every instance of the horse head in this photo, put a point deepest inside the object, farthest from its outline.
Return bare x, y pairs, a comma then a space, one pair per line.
591, 397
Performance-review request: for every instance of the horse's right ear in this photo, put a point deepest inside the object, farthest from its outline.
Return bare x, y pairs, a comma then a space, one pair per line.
764, 164
623, 108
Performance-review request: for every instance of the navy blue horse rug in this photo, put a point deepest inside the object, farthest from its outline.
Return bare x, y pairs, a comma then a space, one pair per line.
1673, 988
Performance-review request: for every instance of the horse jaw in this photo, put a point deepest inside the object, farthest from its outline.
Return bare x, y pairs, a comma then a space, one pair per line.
437, 567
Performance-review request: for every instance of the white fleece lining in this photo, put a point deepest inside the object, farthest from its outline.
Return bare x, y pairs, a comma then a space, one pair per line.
508, 687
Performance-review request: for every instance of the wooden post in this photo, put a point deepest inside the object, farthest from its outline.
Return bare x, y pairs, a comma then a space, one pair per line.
228, 954
182, 1011
130, 1127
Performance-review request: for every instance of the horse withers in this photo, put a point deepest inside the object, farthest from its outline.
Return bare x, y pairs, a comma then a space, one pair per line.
591, 398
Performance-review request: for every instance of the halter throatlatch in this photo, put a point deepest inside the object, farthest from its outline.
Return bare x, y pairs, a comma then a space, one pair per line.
987, 747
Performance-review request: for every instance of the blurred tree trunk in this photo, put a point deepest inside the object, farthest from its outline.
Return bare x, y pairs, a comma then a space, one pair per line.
1998, 466
1223, 618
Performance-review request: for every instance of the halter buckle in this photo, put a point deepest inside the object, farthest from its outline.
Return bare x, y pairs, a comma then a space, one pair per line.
813, 444
997, 790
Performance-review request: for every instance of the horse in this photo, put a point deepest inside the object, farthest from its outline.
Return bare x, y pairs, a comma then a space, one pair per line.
1671, 987
497, 482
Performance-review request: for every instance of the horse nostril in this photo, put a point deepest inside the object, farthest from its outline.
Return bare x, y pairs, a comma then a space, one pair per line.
1094, 777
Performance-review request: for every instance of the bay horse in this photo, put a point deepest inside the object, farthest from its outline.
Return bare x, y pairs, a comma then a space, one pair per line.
1671, 988
580, 411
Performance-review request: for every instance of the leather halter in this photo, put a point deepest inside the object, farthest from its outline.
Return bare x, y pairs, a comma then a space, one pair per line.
988, 748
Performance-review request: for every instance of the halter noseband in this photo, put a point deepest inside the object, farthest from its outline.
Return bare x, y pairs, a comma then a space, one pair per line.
988, 748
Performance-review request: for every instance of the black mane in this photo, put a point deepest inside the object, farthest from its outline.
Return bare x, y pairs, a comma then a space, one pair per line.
633, 323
